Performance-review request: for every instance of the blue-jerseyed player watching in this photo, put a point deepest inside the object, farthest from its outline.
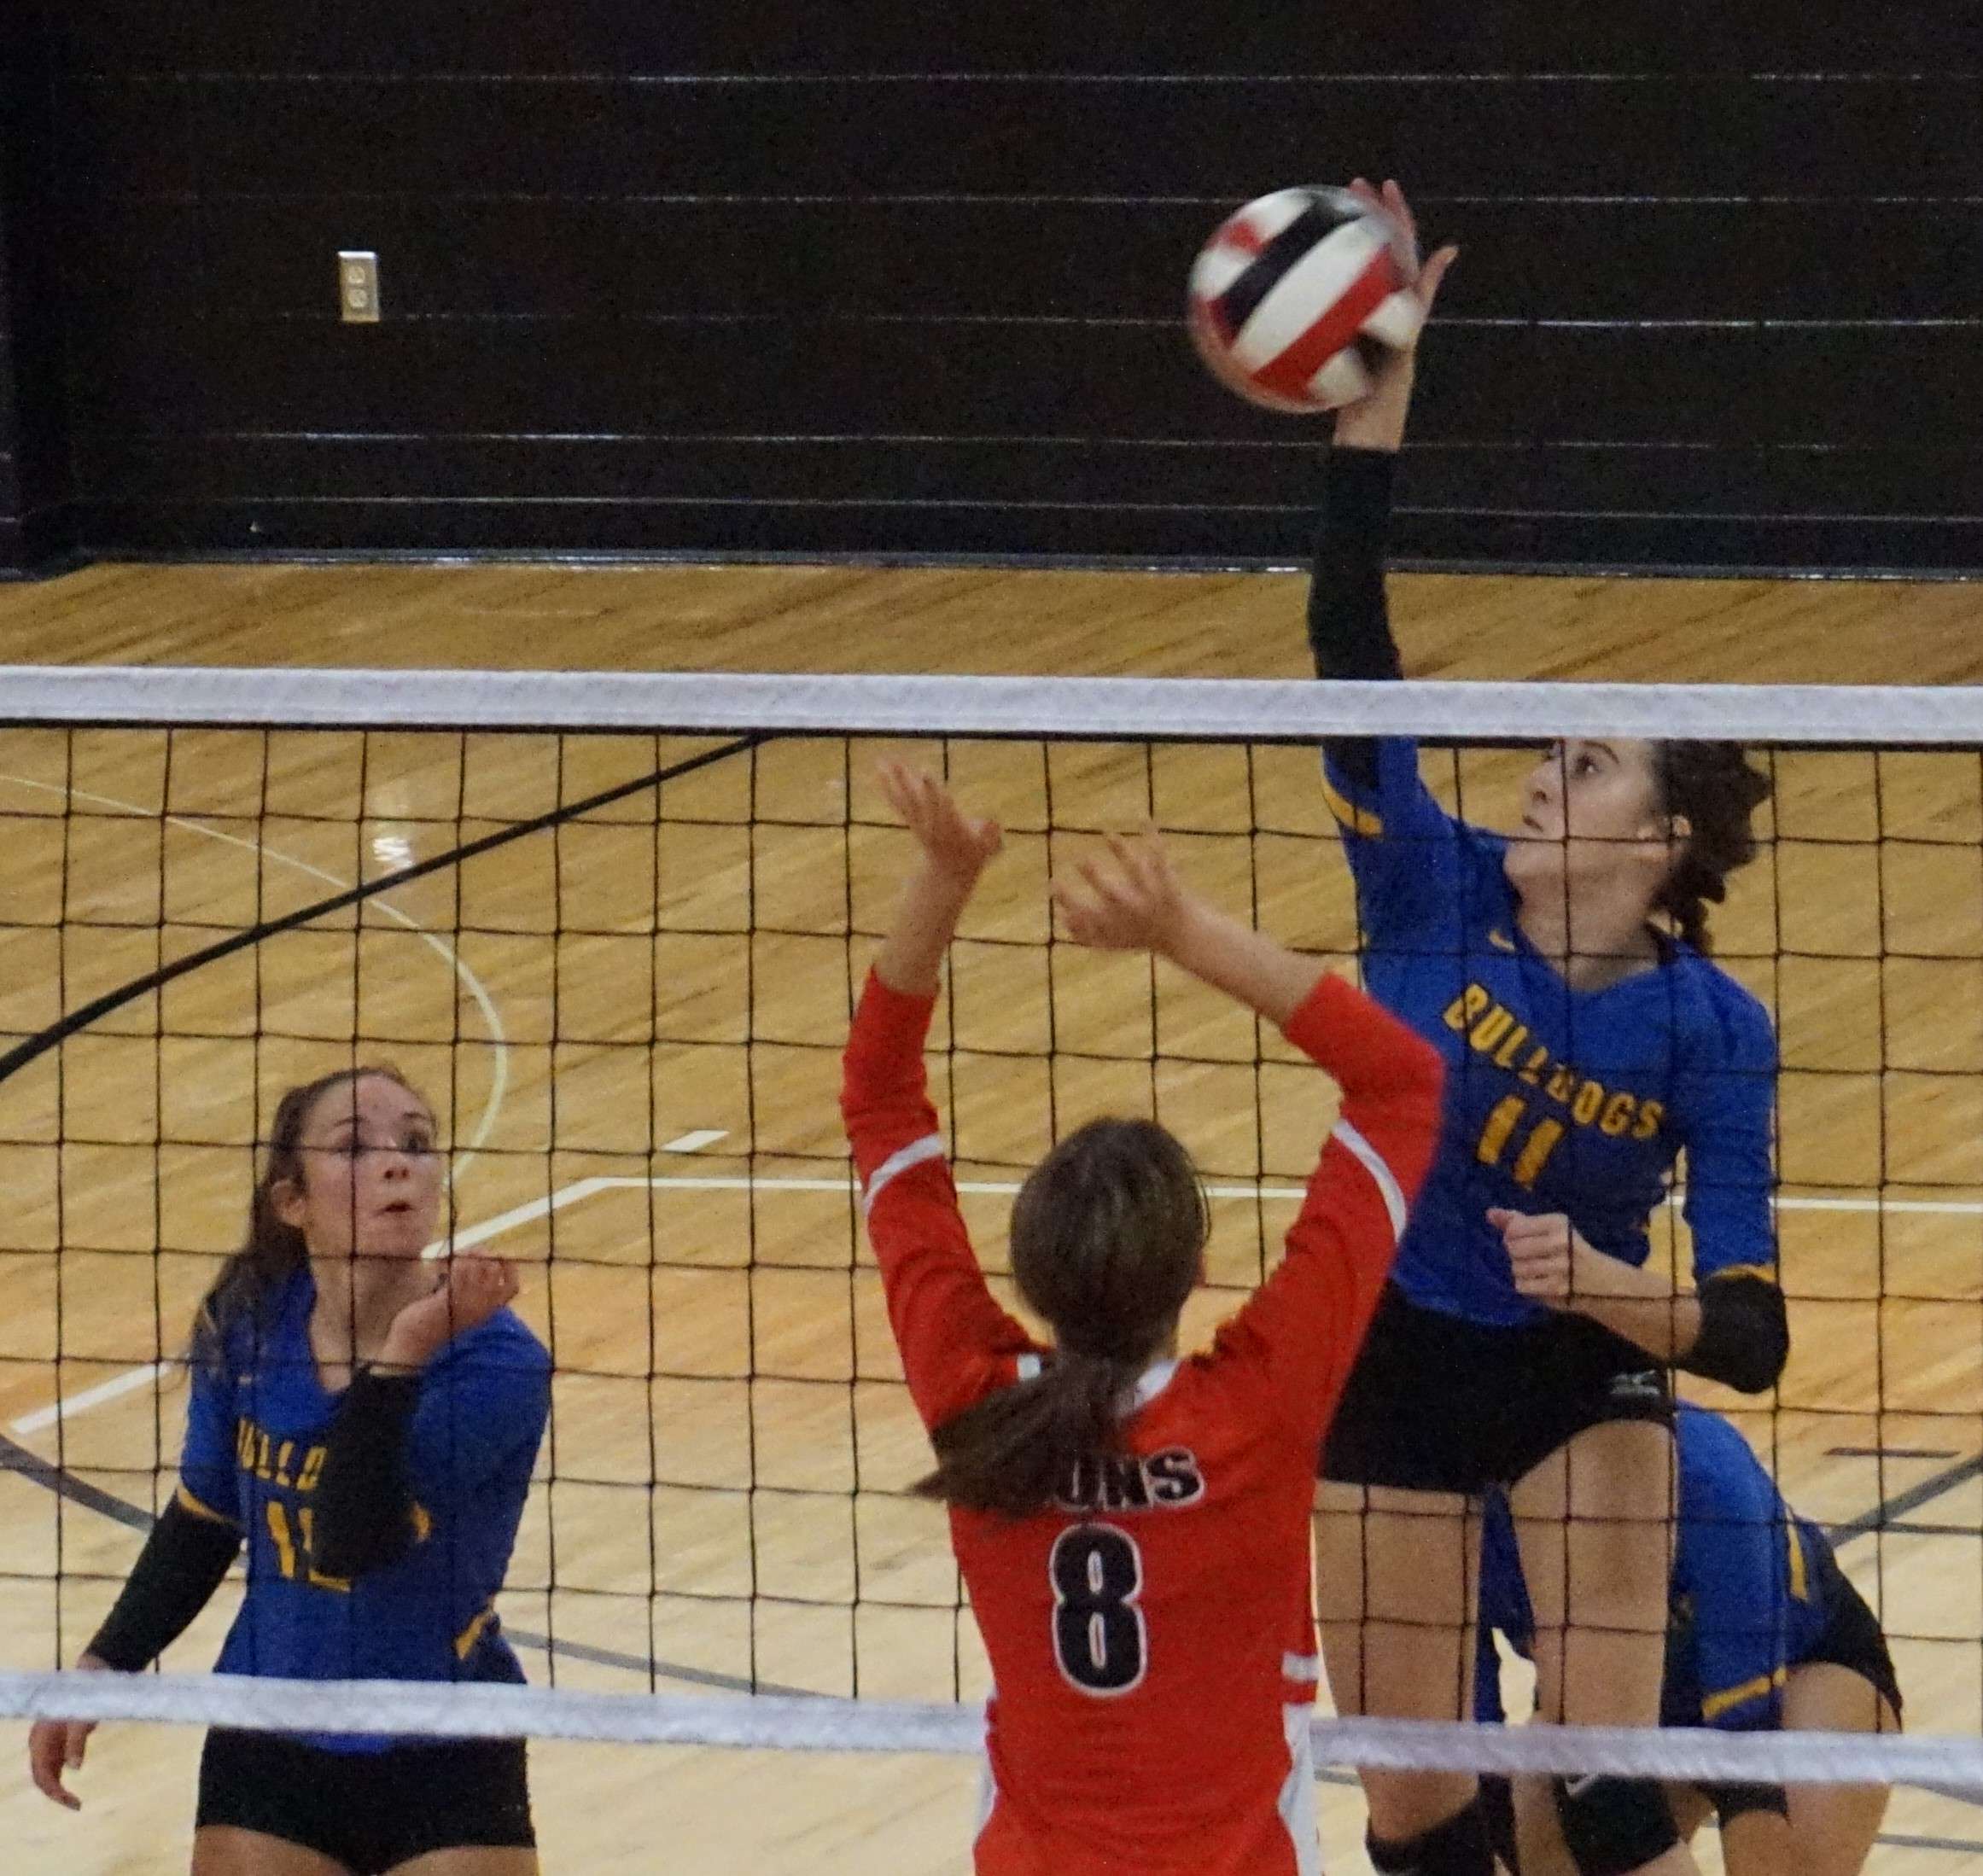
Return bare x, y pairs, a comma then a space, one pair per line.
1591, 1044
366, 1422
1767, 1632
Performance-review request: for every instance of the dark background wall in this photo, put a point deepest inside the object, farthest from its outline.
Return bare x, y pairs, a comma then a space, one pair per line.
36, 525
869, 277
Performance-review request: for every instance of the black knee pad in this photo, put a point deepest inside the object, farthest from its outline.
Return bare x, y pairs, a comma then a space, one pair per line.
1459, 1847
1613, 1826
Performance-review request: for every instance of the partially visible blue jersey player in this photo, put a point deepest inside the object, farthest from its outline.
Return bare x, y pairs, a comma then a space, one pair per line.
365, 1423
1767, 1632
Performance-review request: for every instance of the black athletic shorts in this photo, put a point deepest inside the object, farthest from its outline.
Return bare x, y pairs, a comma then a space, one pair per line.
1852, 1637
370, 1811
1439, 1404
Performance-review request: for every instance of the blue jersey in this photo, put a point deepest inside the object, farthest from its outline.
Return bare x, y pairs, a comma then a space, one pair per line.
1557, 1099
1748, 1601
255, 1434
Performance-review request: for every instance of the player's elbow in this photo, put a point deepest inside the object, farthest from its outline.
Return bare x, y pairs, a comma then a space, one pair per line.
1745, 1334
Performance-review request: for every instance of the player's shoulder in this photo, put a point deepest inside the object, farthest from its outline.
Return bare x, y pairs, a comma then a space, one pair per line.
1718, 1012
1223, 1393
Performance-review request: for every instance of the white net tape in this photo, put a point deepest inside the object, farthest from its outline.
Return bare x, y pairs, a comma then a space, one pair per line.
1199, 708
820, 1724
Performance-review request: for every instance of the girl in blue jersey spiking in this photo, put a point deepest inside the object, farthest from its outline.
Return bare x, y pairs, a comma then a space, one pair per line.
1767, 1633
367, 1422
1591, 1044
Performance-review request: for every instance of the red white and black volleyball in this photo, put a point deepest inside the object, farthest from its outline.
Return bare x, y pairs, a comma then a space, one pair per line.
1297, 296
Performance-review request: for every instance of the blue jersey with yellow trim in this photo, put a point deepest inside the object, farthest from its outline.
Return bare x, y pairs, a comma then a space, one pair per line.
1557, 1099
1747, 1595
255, 1432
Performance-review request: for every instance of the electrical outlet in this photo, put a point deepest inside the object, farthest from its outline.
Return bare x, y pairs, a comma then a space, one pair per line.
357, 286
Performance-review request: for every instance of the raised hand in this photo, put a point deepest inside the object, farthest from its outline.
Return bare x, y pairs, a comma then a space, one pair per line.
1390, 200
955, 850
471, 1289
1131, 901
1376, 421
953, 844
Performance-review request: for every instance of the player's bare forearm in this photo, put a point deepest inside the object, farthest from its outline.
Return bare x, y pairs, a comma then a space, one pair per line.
1378, 422
1553, 1262
955, 849
1664, 1323
1228, 954
911, 958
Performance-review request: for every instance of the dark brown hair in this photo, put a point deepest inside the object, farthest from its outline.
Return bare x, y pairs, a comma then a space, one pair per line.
1108, 1238
273, 1252
1712, 786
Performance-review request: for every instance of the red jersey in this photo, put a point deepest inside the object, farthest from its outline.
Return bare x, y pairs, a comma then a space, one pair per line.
1150, 1640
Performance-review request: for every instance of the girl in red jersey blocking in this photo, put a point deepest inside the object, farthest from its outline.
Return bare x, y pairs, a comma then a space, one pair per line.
1133, 1526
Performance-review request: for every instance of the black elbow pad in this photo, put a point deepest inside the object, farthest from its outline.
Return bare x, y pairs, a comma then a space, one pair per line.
1745, 1333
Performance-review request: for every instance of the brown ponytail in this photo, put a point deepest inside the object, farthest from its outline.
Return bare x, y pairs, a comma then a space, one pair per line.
1108, 1239
1711, 786
273, 1252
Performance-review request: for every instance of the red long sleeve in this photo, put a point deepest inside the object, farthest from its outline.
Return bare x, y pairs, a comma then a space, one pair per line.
1307, 1321
955, 1340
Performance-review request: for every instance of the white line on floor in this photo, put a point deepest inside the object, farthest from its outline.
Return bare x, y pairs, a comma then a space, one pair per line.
694, 1142
118, 1385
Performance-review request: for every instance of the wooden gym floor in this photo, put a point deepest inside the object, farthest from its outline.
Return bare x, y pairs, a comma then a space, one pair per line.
692, 1191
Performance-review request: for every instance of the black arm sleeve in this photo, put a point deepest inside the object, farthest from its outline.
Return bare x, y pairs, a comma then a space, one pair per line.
174, 1578
1745, 1333
1349, 624
365, 1500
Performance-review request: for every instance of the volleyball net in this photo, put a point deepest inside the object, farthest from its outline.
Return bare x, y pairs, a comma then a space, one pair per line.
612, 927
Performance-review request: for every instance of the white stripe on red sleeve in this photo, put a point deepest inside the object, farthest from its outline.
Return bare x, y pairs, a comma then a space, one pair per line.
1373, 1162
931, 1146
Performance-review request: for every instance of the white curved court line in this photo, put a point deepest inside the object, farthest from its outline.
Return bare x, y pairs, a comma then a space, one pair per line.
134, 1378
499, 1082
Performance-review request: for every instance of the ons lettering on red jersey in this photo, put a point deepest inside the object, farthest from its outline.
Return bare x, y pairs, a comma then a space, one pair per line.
1151, 1648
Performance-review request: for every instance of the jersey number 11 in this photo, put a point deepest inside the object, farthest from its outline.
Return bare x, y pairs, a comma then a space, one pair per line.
1532, 1156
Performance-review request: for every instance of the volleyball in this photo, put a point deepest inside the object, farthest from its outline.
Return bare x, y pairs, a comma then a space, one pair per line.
1297, 296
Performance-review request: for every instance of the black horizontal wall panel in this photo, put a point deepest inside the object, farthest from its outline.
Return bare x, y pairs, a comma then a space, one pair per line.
37, 521
1945, 484
866, 278
1610, 384
556, 258
1213, 141
1099, 36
